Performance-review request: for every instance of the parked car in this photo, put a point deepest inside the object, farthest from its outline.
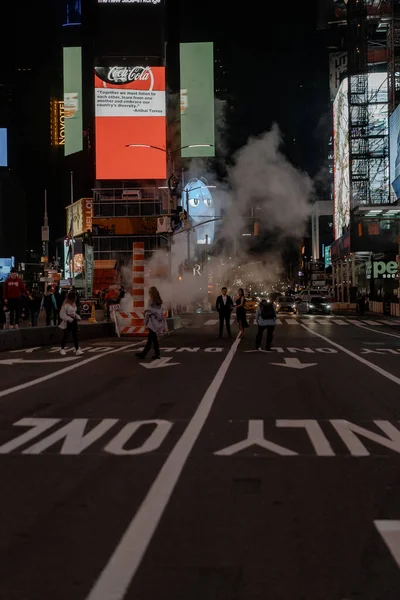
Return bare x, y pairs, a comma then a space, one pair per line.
286, 304
319, 305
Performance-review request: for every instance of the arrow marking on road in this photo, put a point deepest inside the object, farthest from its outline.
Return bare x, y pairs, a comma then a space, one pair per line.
160, 363
390, 532
294, 363
13, 361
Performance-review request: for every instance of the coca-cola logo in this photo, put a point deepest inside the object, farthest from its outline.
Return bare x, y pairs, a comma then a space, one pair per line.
122, 75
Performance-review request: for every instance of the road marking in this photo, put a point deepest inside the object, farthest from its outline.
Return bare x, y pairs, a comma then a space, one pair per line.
323, 321
255, 437
373, 323
292, 321
314, 431
348, 432
18, 361
28, 384
294, 363
339, 322
359, 358
211, 322
358, 323
27, 350
386, 322
120, 570
160, 363
390, 532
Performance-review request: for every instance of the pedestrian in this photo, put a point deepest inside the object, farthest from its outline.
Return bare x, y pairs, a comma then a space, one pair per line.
266, 320
69, 322
35, 303
155, 323
224, 308
49, 304
14, 289
241, 312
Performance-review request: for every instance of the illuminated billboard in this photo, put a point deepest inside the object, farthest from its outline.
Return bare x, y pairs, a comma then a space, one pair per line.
341, 159
197, 99
130, 110
79, 217
73, 13
201, 210
72, 64
3, 147
394, 140
149, 2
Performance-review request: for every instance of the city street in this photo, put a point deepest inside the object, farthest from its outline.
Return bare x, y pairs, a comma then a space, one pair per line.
216, 473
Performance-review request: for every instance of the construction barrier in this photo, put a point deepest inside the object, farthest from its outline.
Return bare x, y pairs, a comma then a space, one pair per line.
132, 323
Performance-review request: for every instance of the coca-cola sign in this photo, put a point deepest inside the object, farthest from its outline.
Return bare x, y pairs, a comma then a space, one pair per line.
121, 75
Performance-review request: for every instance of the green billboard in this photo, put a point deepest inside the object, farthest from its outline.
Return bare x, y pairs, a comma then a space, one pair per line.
72, 63
197, 99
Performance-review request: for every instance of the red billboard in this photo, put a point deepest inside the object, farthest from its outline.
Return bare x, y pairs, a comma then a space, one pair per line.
130, 109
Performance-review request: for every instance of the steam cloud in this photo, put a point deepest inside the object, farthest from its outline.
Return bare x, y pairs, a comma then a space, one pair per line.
261, 180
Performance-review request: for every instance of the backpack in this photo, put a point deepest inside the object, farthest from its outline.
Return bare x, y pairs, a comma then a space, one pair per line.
267, 310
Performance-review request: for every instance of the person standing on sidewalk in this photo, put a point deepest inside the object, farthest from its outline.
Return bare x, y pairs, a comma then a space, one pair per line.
14, 289
155, 323
224, 308
266, 320
69, 323
49, 304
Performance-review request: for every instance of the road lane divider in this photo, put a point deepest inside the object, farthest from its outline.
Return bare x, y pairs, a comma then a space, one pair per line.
120, 570
360, 359
77, 365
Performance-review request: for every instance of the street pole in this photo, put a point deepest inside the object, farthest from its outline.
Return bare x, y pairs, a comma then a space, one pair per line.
188, 231
72, 230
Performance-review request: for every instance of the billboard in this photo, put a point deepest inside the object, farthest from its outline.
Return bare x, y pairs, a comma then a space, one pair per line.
3, 147
79, 217
394, 154
6, 265
148, 2
73, 12
130, 109
201, 210
341, 153
197, 98
72, 65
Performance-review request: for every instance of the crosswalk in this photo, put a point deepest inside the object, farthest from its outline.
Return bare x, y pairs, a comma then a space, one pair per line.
290, 321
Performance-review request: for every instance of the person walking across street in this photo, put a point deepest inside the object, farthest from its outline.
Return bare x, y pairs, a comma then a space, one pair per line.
155, 323
266, 320
49, 304
69, 323
14, 288
224, 308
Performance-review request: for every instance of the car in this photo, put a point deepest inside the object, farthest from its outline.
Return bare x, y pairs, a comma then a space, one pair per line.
286, 304
252, 304
319, 305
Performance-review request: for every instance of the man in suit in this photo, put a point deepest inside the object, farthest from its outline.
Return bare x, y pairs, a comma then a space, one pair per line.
224, 309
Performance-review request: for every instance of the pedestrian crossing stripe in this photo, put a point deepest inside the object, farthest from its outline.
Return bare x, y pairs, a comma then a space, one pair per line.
319, 321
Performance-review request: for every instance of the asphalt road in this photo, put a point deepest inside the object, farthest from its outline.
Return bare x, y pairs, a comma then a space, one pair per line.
217, 473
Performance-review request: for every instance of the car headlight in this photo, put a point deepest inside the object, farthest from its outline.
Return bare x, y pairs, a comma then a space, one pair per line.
293, 306
328, 306
311, 305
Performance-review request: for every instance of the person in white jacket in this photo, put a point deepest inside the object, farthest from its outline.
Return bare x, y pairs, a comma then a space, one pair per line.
155, 323
69, 322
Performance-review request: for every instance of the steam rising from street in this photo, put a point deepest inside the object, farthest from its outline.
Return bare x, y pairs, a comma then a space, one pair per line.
261, 185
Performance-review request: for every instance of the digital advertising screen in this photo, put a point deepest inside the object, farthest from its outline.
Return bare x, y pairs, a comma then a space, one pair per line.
197, 98
73, 13
394, 155
73, 125
201, 210
341, 159
3, 147
6, 265
130, 110
148, 2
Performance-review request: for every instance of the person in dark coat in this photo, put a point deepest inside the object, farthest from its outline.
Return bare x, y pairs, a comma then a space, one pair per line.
224, 306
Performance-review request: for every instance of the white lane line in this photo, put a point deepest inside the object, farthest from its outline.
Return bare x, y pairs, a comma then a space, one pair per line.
390, 532
28, 384
322, 321
120, 570
369, 322
292, 321
387, 322
278, 322
212, 322
359, 358
339, 322
354, 322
